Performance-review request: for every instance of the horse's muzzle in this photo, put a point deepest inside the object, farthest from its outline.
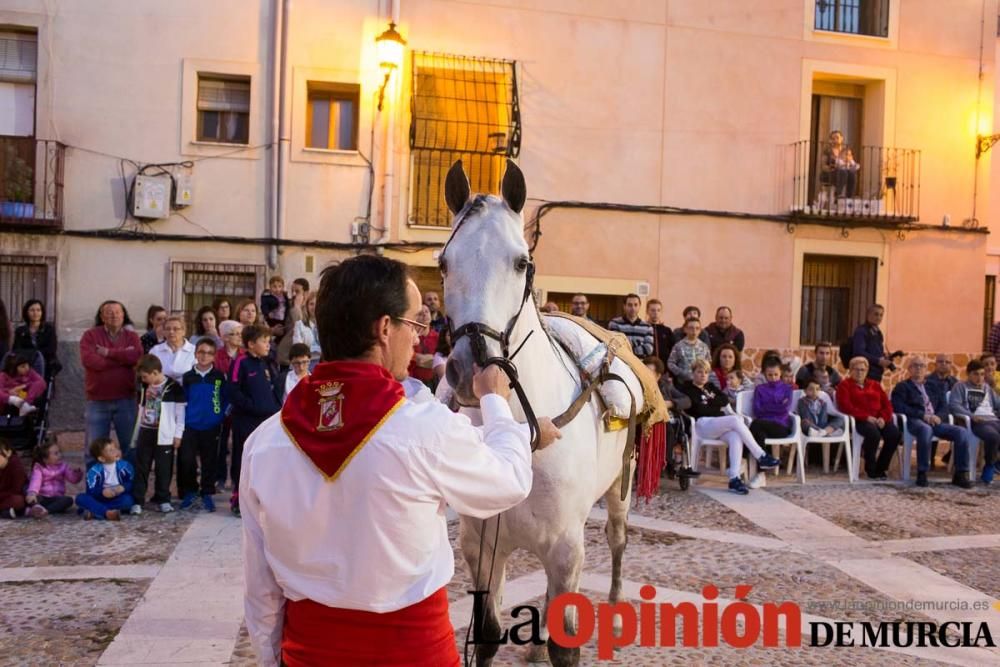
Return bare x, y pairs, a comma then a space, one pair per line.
459, 372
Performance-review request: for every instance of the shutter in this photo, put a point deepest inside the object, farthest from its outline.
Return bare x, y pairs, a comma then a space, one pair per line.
216, 94
18, 57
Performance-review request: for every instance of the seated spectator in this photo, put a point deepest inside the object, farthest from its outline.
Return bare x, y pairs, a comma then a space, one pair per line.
723, 331
815, 408
822, 377
863, 398
686, 351
38, 335
736, 382
989, 362
663, 337
274, 305
689, 312
708, 406
47, 487
725, 360
926, 413
421, 365
639, 333
109, 483
823, 361
788, 375
943, 378
20, 385
12, 482
759, 378
772, 405
155, 317
298, 369
976, 400
176, 353
205, 326
672, 397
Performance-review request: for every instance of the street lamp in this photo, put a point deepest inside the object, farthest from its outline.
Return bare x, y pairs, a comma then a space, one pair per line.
389, 46
984, 142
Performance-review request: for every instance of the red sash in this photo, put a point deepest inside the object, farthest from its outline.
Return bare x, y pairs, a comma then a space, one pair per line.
333, 413
420, 635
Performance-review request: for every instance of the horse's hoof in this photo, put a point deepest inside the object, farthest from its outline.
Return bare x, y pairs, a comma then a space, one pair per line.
561, 656
537, 653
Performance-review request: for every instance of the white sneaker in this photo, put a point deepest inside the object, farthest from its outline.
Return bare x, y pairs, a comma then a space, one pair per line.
758, 481
816, 432
136, 510
27, 409
166, 508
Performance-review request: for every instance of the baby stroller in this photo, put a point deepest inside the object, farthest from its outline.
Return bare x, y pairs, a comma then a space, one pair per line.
28, 431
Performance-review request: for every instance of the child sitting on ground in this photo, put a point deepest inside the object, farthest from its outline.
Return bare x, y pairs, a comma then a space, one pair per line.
161, 427
20, 385
109, 483
814, 409
47, 487
12, 482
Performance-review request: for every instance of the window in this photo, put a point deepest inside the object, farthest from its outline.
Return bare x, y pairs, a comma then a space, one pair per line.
857, 17
332, 116
836, 290
18, 58
224, 108
196, 284
23, 278
462, 108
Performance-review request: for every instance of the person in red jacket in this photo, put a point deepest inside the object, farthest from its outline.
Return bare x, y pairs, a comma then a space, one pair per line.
866, 401
109, 353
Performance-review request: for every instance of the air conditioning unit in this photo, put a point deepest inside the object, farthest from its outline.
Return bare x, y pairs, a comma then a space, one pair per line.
642, 289
151, 196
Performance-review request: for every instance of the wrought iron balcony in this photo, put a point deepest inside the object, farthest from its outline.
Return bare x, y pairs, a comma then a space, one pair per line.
873, 182
31, 182
855, 17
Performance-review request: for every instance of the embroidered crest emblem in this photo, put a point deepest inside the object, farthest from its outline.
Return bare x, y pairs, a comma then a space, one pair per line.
331, 402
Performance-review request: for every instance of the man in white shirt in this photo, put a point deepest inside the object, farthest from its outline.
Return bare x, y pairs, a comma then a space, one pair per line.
343, 493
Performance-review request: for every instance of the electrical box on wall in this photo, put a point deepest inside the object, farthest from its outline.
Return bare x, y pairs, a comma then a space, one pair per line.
151, 196
184, 194
642, 289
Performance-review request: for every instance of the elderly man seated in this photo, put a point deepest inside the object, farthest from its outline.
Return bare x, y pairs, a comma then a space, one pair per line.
926, 408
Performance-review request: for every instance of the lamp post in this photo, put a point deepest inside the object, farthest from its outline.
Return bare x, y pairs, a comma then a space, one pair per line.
389, 46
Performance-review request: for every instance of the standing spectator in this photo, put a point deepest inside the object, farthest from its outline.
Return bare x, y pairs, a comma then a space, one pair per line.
663, 337
161, 427
155, 317
253, 396
298, 369
823, 361
176, 353
20, 385
274, 305
580, 306
722, 330
205, 326
305, 331
689, 312
6, 330
422, 363
247, 313
109, 484
439, 321
206, 405
549, 307
993, 339
975, 400
223, 309
863, 398
109, 352
726, 360
296, 307
989, 362
942, 378
47, 488
688, 350
13, 479
868, 342
225, 358
772, 405
926, 413
639, 334
37, 334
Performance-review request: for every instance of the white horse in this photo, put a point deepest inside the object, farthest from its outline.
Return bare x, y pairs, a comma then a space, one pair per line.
487, 274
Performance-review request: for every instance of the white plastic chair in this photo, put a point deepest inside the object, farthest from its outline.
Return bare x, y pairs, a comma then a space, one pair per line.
974, 442
843, 440
744, 407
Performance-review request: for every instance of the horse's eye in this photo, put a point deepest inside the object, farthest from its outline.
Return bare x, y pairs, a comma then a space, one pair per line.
521, 264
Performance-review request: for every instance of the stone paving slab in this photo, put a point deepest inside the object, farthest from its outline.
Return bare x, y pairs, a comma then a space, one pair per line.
976, 568
690, 507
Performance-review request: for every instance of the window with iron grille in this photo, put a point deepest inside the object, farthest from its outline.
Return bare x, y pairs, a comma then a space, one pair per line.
836, 290
224, 108
857, 17
462, 108
195, 284
23, 278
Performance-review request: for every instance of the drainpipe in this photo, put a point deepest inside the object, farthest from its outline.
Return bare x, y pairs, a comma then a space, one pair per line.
283, 139
390, 141
272, 164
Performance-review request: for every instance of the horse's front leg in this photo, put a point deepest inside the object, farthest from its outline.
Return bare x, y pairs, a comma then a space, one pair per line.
563, 563
481, 565
616, 530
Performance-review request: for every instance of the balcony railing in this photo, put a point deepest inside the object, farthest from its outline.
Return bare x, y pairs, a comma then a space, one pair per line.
856, 17
873, 182
31, 182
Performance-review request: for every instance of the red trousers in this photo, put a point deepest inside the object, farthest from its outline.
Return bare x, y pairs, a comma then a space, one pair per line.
420, 635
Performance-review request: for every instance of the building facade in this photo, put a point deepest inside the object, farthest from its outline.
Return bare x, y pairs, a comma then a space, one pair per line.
172, 152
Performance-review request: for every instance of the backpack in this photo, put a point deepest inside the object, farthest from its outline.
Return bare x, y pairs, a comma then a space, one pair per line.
846, 351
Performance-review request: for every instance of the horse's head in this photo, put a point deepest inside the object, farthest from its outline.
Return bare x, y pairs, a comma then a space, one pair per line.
487, 272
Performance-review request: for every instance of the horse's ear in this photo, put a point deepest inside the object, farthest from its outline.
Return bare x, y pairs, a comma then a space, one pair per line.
456, 188
513, 189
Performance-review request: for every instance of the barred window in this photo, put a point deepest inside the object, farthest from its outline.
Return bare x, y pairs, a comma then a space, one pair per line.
857, 17
462, 108
25, 277
195, 284
836, 291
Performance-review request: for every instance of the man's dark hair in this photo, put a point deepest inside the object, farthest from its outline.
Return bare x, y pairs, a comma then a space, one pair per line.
353, 294
823, 343
690, 309
302, 282
97, 446
252, 332
722, 308
99, 321
580, 294
632, 296
298, 350
974, 365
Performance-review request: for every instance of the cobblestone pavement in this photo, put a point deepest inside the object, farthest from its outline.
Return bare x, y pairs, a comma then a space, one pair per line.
68, 586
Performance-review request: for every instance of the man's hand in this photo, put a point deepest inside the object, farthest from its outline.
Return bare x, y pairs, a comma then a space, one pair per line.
547, 432
873, 420
490, 380
177, 443
933, 420
101, 350
880, 422
109, 492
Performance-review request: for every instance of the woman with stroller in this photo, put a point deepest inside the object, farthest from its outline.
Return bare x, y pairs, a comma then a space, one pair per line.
37, 335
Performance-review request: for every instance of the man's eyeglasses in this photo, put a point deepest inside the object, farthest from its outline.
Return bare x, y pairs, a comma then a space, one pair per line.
418, 327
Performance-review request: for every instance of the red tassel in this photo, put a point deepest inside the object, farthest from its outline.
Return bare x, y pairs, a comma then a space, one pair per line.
652, 458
